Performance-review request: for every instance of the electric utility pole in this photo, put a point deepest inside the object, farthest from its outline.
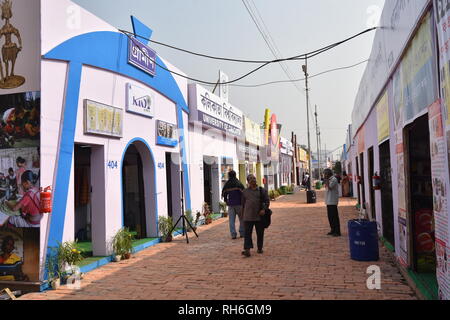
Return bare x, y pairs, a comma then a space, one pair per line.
311, 199
318, 147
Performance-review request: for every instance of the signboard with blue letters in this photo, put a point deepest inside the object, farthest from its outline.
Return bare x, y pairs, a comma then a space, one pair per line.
140, 101
141, 56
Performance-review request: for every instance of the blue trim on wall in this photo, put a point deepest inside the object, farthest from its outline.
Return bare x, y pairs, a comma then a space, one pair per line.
141, 30
88, 49
154, 177
64, 165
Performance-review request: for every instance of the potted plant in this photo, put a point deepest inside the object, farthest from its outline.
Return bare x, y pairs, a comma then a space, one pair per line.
190, 218
122, 244
68, 256
207, 213
272, 195
165, 226
197, 218
223, 209
53, 271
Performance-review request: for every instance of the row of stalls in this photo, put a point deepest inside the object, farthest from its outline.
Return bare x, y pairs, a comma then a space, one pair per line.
116, 131
398, 155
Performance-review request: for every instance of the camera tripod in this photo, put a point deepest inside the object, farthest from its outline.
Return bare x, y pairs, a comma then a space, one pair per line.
183, 216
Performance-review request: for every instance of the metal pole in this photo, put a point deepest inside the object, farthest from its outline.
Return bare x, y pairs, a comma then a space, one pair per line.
318, 150
305, 70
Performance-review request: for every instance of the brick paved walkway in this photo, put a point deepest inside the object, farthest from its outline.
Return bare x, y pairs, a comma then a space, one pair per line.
299, 262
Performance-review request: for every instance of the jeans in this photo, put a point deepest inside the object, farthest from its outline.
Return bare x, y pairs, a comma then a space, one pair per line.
333, 218
248, 242
232, 213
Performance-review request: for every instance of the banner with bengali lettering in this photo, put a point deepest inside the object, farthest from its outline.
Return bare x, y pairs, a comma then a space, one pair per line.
215, 112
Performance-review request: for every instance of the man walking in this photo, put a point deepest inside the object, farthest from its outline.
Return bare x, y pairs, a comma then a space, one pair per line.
232, 194
332, 200
255, 201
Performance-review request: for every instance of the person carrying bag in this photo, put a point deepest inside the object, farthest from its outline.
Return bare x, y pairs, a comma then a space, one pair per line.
255, 209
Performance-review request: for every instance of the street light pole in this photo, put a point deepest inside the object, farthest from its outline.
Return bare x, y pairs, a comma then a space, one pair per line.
318, 147
305, 70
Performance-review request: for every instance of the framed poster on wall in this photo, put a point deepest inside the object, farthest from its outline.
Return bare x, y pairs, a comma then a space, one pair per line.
102, 119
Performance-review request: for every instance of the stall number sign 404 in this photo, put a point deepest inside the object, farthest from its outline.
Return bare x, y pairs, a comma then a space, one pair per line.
113, 165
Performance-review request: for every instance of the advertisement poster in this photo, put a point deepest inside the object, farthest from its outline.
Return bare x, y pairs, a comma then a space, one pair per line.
19, 186
383, 118
166, 134
442, 17
102, 119
439, 173
20, 44
414, 85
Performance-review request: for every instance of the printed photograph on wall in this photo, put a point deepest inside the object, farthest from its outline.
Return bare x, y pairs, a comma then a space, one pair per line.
20, 120
19, 254
19, 188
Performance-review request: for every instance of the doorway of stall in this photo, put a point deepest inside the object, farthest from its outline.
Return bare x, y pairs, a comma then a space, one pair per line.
387, 203
211, 182
133, 193
420, 197
82, 196
173, 178
371, 168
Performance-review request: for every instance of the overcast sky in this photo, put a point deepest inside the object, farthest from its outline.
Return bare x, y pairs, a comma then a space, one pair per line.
226, 29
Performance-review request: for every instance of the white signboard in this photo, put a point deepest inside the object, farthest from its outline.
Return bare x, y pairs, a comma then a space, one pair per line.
215, 112
140, 101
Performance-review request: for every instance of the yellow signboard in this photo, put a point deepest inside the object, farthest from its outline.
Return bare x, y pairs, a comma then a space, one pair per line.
252, 132
266, 127
102, 119
383, 118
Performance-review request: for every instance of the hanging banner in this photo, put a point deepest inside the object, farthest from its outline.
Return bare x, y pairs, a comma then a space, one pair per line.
439, 164
441, 150
383, 118
414, 80
401, 187
252, 132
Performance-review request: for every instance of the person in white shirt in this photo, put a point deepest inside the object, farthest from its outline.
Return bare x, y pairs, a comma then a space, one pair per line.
332, 200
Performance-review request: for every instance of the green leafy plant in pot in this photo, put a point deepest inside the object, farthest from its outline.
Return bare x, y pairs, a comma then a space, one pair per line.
53, 269
68, 256
190, 218
223, 209
165, 226
207, 213
122, 244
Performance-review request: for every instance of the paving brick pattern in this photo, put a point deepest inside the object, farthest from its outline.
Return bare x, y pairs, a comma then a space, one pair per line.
299, 263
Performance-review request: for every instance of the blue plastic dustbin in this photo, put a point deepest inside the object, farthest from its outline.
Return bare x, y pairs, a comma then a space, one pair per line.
363, 235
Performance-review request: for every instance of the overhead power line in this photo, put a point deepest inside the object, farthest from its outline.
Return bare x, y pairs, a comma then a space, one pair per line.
313, 53
297, 80
264, 31
293, 58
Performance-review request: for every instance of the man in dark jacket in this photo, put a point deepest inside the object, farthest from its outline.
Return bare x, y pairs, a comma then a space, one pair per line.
232, 194
255, 201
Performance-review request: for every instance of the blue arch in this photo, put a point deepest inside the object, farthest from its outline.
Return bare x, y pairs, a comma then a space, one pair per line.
154, 176
106, 50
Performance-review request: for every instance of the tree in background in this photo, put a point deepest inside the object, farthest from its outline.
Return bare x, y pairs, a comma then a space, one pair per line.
337, 168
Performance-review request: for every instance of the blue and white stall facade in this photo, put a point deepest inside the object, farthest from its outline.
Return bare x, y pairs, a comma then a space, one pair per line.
113, 133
